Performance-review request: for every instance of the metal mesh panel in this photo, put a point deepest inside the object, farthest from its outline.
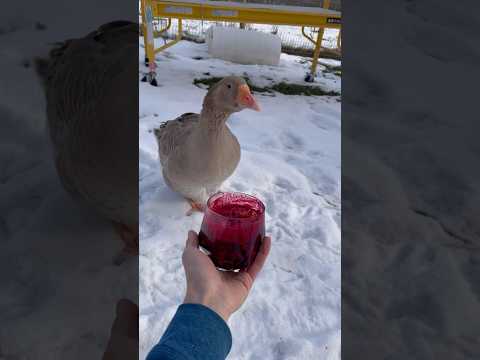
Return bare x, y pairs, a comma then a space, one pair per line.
334, 4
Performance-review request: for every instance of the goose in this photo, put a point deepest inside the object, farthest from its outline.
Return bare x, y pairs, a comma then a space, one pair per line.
92, 119
198, 152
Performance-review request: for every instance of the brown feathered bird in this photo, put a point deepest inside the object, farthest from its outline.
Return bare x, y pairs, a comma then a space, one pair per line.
92, 114
198, 152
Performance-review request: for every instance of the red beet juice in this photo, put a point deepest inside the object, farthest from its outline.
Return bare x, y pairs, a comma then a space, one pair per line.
232, 230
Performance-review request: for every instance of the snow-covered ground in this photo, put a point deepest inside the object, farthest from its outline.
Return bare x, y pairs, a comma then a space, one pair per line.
411, 180
291, 160
48, 243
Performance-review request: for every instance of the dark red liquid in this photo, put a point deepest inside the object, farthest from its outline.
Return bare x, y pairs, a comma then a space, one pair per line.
232, 230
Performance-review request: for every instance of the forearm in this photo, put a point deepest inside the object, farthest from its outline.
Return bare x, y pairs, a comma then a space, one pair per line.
195, 333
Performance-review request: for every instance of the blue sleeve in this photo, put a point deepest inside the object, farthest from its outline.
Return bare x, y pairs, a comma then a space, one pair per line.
195, 333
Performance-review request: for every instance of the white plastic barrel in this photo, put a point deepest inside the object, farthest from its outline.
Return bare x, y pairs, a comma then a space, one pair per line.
243, 46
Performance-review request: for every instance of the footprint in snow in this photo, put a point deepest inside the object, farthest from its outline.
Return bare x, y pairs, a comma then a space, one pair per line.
315, 234
315, 154
317, 121
285, 184
292, 142
270, 144
239, 187
287, 349
169, 55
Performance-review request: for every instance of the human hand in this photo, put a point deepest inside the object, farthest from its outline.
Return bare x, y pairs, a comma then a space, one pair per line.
123, 343
223, 292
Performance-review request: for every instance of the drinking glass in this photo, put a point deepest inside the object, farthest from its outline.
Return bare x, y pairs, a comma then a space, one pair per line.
232, 230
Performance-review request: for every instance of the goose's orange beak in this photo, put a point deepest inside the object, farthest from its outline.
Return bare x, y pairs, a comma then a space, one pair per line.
246, 98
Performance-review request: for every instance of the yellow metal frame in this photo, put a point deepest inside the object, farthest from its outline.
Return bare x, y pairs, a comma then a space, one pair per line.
173, 42
166, 28
307, 36
241, 13
244, 14
148, 34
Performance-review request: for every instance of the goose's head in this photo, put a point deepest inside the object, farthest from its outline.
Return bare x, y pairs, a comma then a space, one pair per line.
230, 95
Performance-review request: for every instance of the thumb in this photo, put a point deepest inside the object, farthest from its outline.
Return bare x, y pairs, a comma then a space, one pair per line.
192, 240
262, 255
192, 243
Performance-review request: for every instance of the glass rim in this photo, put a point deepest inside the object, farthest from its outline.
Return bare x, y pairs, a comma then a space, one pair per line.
220, 193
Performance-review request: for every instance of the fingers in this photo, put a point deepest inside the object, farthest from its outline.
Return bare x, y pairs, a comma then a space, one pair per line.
257, 265
192, 240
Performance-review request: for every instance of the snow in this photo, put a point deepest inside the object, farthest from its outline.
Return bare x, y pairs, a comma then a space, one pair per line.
41, 226
410, 181
290, 160
244, 46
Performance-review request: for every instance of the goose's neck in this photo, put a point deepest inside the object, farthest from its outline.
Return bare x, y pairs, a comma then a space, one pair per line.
213, 121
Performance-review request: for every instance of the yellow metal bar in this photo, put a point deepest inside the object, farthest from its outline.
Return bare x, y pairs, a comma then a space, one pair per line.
318, 45
158, 32
144, 27
244, 14
180, 29
316, 53
307, 36
173, 42
149, 36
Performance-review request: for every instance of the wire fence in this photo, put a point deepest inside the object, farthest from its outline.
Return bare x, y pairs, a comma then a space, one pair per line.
291, 36
334, 4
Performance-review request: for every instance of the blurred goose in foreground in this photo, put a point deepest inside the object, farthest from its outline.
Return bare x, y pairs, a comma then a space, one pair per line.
92, 116
198, 152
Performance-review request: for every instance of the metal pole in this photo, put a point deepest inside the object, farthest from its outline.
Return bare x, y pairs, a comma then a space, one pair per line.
318, 46
316, 53
144, 29
180, 30
150, 44
149, 36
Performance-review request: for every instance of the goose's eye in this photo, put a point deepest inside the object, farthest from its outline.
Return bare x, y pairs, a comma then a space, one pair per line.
229, 86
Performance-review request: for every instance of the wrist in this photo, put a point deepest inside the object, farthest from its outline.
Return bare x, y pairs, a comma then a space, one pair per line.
208, 302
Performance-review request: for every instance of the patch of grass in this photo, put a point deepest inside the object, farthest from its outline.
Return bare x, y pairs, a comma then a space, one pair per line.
283, 88
209, 82
256, 89
299, 51
337, 70
296, 89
